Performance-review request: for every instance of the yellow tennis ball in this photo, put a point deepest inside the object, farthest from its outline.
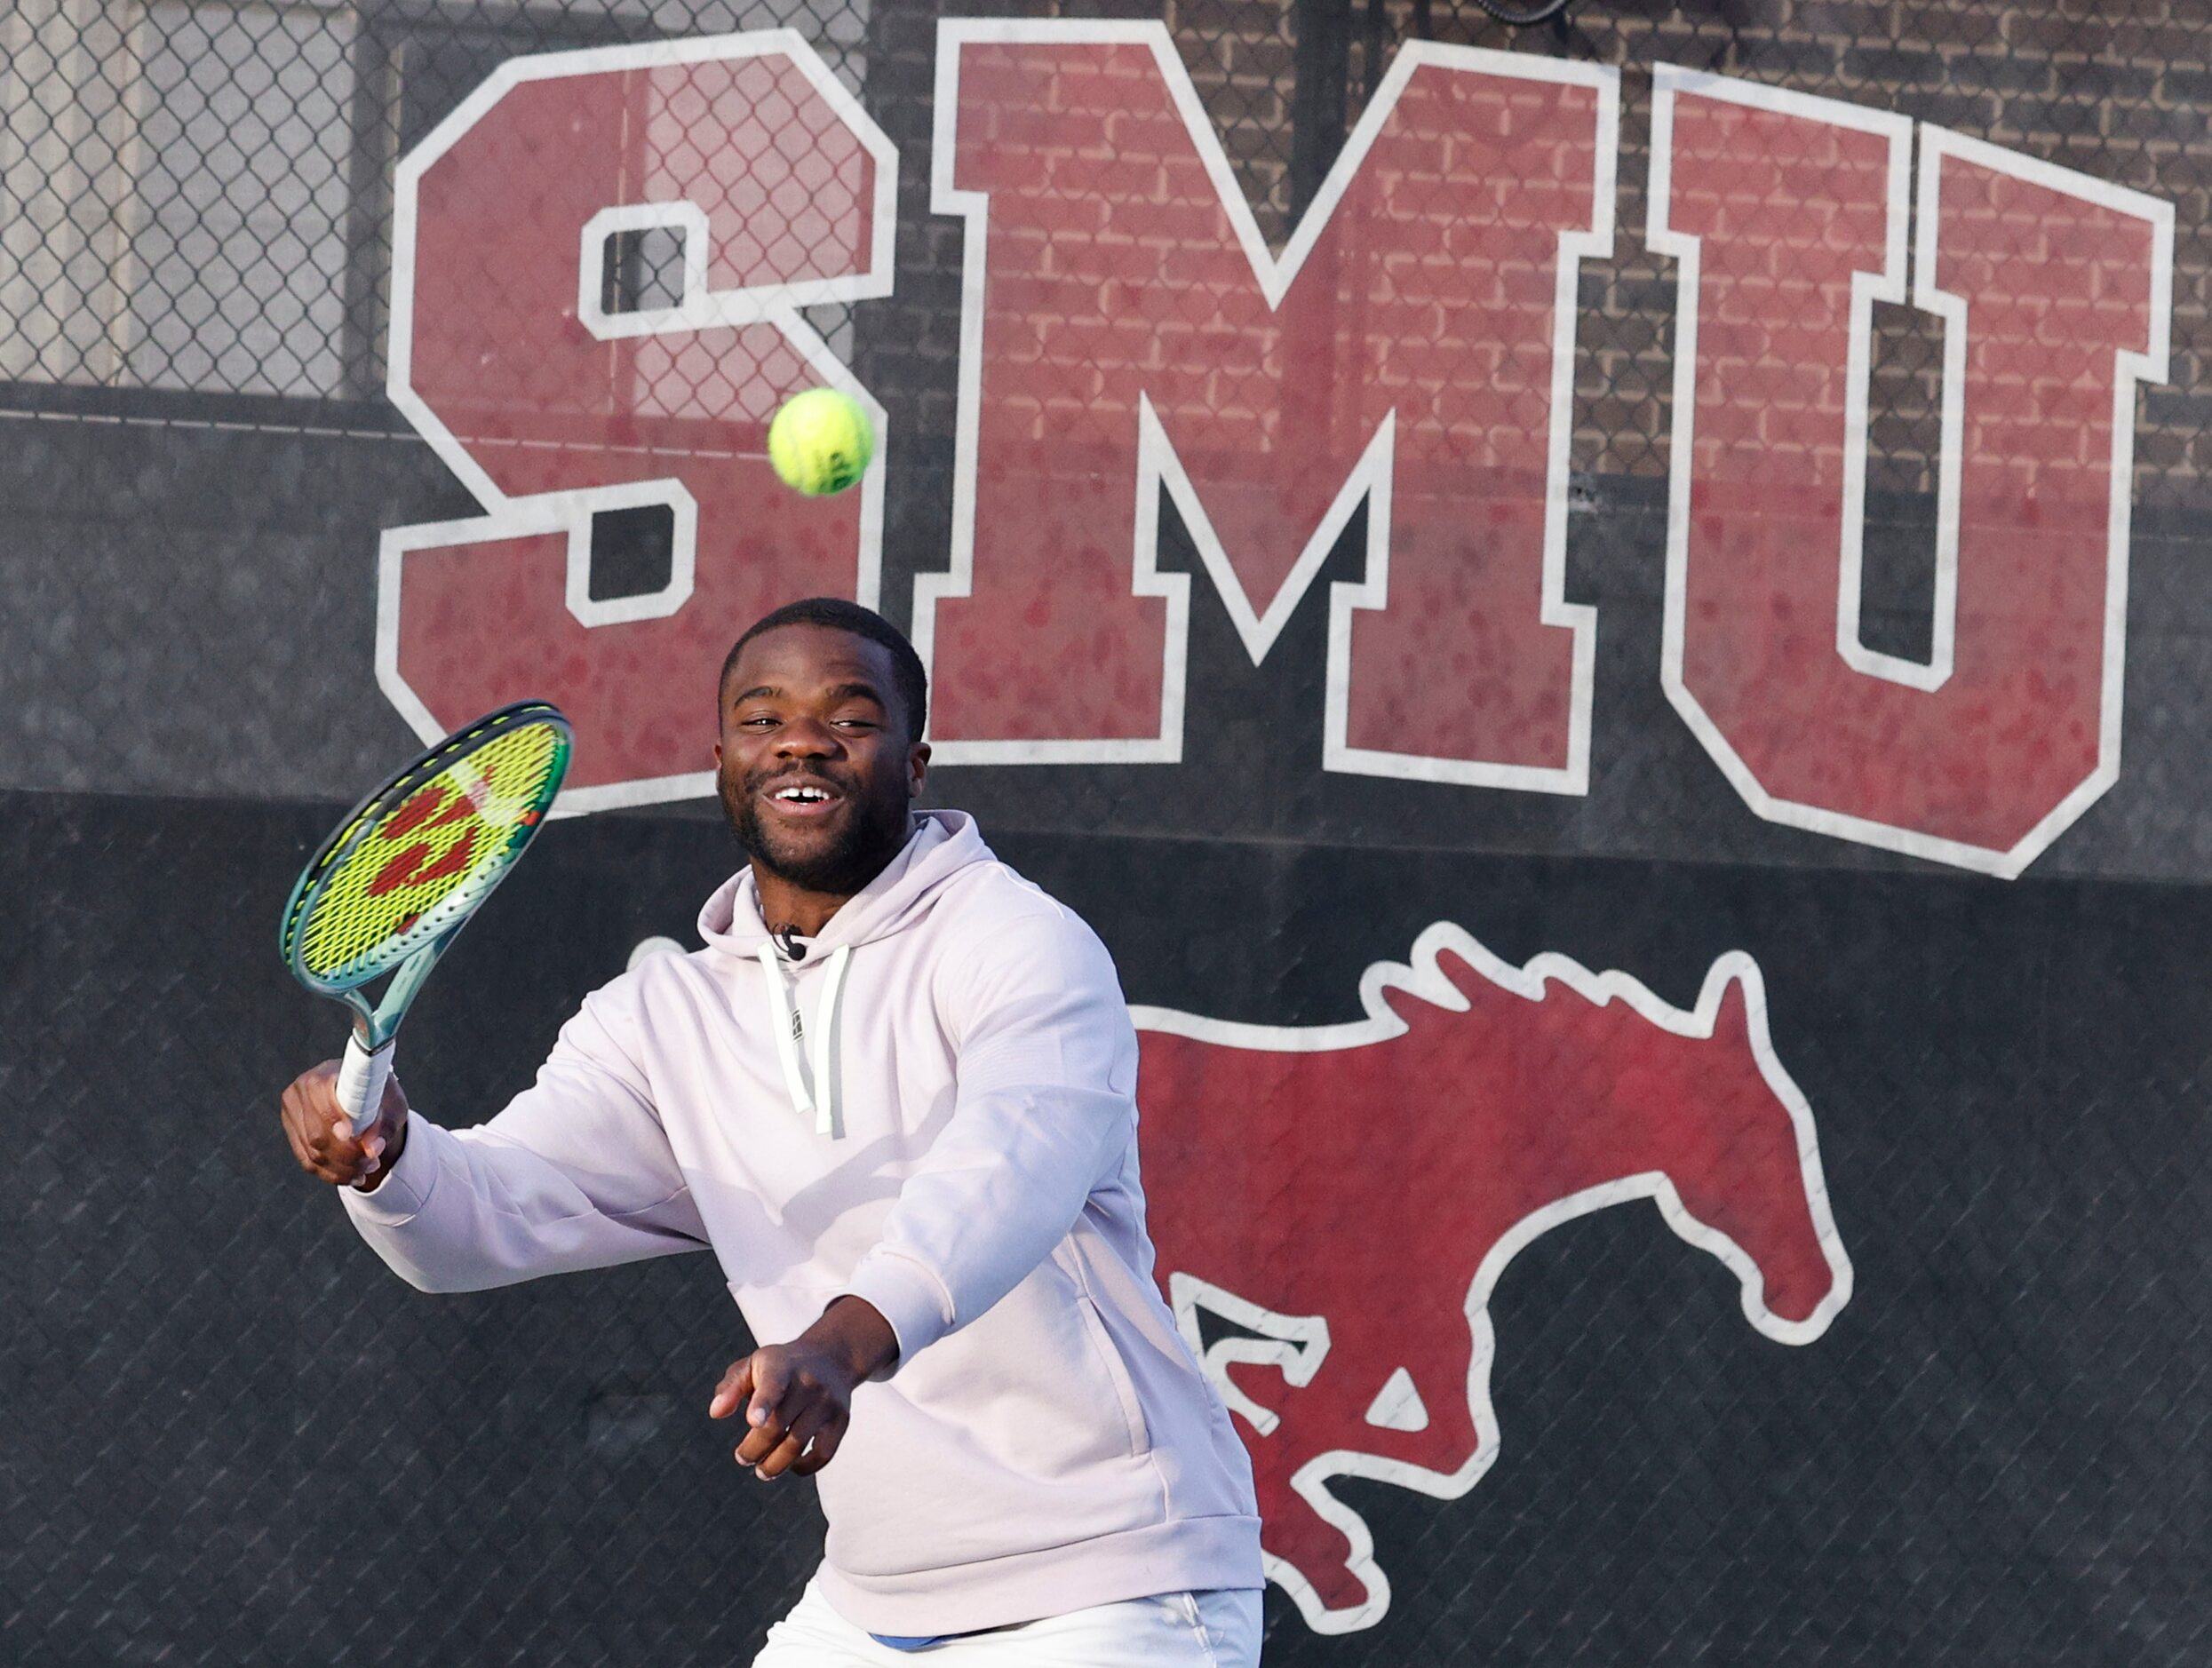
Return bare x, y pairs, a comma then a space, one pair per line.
820, 441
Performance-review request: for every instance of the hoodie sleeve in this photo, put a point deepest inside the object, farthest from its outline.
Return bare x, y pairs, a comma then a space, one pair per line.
1043, 1108
576, 1173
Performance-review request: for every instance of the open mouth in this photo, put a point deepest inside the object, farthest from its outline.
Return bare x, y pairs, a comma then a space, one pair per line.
804, 798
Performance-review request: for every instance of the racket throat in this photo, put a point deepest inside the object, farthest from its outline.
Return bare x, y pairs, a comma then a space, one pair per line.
364, 1032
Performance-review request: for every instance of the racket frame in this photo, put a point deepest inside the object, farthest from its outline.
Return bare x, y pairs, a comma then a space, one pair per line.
368, 1060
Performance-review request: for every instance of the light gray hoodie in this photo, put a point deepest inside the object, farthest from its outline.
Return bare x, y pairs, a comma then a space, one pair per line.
934, 1109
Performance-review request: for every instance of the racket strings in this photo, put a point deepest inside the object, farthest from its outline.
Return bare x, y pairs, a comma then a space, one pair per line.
411, 867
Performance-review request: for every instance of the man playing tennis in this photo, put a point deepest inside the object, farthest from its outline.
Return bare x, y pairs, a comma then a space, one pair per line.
894, 1094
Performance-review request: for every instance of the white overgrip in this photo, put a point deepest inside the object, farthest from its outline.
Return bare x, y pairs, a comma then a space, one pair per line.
360, 1077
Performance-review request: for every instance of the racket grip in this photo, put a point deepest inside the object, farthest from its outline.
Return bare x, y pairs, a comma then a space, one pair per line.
360, 1077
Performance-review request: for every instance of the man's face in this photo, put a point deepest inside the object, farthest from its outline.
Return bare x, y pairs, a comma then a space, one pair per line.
814, 765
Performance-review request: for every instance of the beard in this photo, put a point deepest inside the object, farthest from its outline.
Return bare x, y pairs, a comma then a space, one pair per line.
839, 862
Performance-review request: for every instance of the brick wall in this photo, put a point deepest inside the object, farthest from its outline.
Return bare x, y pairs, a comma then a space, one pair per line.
1239, 53
2118, 98
1117, 281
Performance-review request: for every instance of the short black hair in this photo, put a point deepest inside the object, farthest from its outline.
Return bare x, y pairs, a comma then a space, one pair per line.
840, 615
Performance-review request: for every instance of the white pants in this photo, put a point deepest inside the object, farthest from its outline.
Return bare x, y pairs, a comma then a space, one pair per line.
1174, 1630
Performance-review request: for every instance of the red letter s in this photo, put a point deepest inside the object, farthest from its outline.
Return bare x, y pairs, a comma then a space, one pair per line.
553, 408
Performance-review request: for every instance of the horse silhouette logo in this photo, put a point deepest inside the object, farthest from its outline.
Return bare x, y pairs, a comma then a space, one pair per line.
1346, 1197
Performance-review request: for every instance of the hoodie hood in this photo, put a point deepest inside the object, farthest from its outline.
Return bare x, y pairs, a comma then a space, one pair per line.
942, 844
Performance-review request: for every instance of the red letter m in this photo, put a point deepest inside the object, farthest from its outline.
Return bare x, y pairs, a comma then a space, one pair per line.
1125, 328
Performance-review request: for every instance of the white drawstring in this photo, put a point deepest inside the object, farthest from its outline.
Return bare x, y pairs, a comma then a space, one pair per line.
825, 1041
783, 1019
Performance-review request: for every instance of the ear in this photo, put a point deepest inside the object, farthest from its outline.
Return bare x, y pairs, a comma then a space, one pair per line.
917, 769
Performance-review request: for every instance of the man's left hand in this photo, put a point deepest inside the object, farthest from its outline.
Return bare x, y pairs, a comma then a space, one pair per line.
798, 1397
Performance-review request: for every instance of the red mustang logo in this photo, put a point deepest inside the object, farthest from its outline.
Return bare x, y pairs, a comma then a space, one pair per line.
1346, 1196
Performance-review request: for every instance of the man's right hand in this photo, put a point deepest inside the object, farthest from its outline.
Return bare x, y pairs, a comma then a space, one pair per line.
323, 1138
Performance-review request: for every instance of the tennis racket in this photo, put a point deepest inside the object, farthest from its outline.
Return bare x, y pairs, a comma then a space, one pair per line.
400, 877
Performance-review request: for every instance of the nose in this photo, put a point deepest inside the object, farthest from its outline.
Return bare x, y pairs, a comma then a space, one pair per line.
807, 738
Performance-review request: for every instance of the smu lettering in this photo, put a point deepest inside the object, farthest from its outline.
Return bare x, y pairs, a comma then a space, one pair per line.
1127, 336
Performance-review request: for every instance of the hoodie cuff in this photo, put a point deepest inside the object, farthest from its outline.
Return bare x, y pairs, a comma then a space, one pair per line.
904, 1292
403, 1192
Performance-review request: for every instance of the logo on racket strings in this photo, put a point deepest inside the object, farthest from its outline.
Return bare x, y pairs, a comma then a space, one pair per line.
449, 818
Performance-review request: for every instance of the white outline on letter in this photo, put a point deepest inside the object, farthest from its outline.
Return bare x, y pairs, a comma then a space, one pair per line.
1158, 467
570, 511
2130, 367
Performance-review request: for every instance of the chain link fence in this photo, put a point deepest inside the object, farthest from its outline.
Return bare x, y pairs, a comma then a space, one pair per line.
225, 1436
228, 1435
198, 196
197, 222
